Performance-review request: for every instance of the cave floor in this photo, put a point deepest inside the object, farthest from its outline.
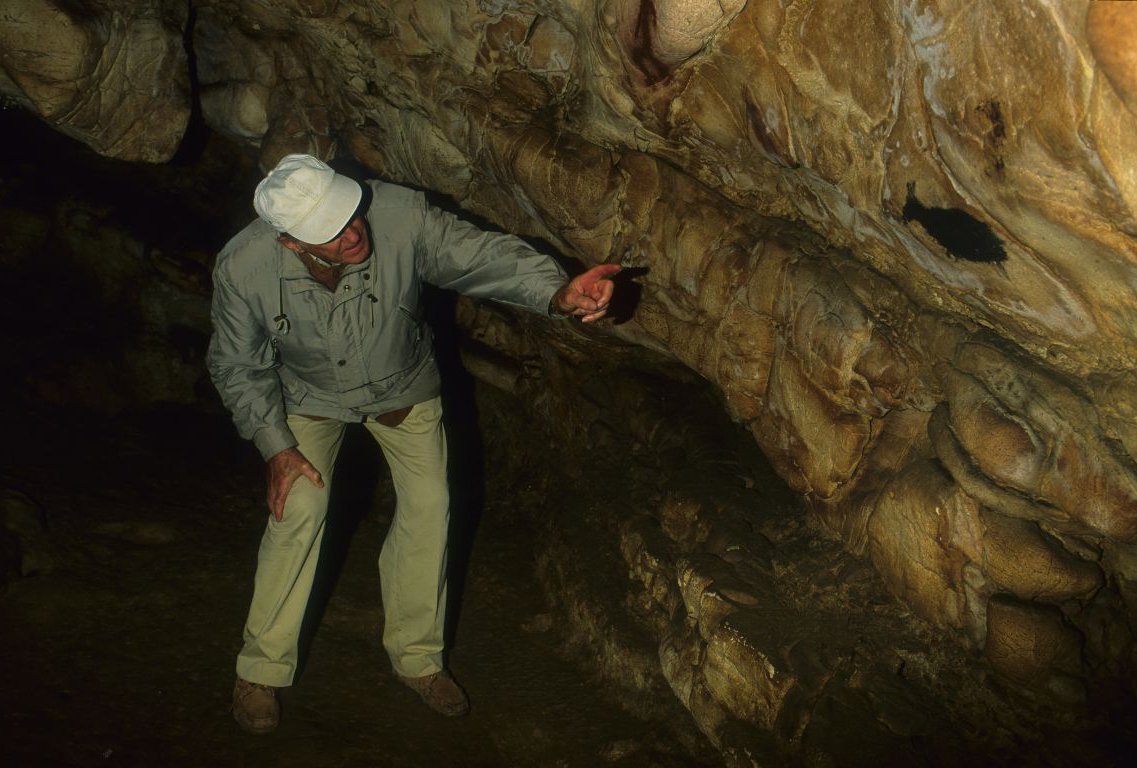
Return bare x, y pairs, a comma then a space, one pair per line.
121, 654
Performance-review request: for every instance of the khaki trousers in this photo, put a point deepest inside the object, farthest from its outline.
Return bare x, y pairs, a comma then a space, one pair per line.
412, 562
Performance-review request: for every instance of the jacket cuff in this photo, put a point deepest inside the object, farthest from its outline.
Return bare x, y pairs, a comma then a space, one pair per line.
272, 440
550, 310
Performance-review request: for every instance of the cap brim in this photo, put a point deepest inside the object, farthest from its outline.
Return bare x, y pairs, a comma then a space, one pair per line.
331, 214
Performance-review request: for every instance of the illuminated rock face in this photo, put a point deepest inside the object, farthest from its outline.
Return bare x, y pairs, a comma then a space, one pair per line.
113, 75
899, 236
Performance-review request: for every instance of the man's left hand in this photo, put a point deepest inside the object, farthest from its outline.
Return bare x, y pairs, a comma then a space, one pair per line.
586, 296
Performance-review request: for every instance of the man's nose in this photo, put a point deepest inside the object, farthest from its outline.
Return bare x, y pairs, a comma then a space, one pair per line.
350, 235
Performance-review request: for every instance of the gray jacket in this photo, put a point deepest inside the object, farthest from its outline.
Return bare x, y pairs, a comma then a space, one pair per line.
284, 344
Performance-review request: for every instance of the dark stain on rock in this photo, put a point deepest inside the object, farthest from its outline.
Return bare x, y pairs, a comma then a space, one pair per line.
765, 136
643, 56
960, 233
994, 113
997, 134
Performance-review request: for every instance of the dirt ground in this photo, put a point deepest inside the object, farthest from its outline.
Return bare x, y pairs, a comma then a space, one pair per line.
123, 654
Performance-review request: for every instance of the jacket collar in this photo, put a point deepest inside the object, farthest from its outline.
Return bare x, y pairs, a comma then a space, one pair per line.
299, 279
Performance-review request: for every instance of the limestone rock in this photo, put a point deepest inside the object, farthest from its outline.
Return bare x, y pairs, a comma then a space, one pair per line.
919, 535
743, 672
1110, 28
116, 78
1032, 645
1021, 558
1017, 429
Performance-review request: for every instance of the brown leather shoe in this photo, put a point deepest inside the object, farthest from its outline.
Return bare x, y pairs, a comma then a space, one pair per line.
255, 707
440, 692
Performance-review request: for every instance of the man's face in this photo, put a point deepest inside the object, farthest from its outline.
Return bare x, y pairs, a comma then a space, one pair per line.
351, 246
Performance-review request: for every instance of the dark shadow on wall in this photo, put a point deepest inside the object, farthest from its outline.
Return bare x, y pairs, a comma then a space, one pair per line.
196, 138
626, 297
467, 452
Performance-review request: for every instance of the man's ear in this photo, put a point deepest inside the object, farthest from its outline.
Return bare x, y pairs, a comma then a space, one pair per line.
289, 243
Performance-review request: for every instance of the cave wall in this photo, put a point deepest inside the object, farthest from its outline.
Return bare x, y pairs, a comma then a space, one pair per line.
898, 236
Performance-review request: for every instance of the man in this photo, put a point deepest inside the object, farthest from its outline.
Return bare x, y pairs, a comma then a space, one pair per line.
317, 323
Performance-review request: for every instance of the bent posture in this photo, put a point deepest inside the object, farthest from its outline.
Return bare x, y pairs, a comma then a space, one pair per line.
317, 323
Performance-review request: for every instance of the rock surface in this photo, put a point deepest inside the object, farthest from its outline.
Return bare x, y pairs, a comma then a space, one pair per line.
899, 238
113, 75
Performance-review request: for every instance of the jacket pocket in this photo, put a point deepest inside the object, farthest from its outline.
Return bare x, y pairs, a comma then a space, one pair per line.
414, 323
294, 391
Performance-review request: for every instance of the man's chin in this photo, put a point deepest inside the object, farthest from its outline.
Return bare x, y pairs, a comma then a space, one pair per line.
353, 257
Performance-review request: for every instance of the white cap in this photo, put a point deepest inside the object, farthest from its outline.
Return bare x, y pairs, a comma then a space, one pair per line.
304, 197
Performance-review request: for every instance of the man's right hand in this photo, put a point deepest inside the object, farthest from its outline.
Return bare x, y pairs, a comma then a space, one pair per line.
281, 473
